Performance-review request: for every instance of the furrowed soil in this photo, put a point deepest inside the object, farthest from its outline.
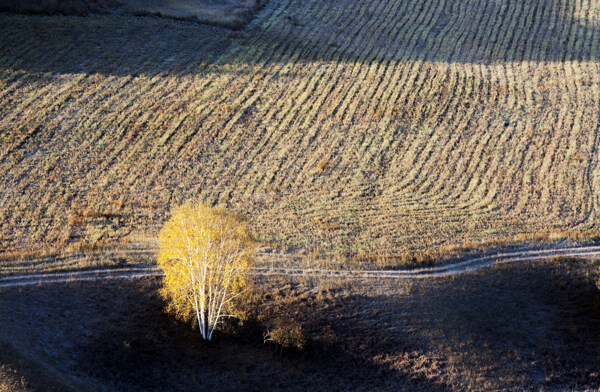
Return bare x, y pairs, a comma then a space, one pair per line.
340, 126
524, 326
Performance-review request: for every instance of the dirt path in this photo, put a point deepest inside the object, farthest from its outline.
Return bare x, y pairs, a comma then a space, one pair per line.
432, 272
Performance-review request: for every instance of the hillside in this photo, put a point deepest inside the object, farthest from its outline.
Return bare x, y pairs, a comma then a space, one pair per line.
513, 327
348, 126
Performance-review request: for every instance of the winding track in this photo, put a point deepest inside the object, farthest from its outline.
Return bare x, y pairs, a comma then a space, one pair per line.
421, 273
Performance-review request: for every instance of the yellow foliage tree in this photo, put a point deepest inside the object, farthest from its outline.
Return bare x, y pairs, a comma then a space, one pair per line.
205, 254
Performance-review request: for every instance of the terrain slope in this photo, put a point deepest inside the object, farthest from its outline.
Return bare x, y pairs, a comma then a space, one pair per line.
353, 126
516, 326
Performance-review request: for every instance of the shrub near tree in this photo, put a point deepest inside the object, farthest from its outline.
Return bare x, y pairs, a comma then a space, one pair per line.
205, 254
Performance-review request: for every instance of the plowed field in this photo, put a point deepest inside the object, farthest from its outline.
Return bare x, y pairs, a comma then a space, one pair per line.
376, 126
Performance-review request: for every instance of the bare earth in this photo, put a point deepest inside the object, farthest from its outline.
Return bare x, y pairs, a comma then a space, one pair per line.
521, 326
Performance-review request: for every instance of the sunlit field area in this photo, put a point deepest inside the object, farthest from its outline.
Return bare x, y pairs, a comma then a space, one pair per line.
343, 126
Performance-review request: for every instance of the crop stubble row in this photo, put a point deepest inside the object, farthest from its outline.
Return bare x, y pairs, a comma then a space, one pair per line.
377, 126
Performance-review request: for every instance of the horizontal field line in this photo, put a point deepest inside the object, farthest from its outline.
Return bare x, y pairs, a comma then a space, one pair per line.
440, 271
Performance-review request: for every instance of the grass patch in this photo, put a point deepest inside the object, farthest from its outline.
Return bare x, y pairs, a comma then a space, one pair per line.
530, 324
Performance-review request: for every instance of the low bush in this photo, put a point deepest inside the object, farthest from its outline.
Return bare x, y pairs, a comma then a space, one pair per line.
286, 334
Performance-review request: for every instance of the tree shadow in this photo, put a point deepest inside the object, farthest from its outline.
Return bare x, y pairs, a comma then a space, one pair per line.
507, 328
148, 350
489, 32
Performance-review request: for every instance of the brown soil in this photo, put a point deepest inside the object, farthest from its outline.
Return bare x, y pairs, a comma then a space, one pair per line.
528, 326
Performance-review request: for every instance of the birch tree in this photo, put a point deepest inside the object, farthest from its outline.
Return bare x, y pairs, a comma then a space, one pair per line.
205, 254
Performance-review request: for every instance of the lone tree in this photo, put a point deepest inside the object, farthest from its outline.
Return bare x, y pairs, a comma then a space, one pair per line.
205, 254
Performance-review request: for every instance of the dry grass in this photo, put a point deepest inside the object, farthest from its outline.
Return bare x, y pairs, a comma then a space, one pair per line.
526, 326
79, 256
11, 381
286, 334
375, 128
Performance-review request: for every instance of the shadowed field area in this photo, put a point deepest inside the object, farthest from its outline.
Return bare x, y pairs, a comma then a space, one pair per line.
226, 13
528, 326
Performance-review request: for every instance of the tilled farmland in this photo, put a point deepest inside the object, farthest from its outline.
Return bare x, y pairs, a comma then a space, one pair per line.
348, 126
